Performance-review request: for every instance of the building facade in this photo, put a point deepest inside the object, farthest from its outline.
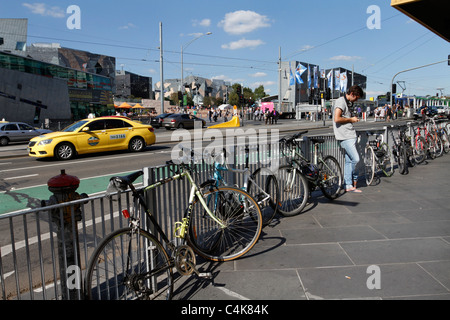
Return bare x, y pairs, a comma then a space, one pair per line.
32, 91
13, 36
131, 85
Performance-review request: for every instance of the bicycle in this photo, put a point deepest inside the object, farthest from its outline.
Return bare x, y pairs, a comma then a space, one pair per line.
377, 155
266, 196
430, 145
323, 172
440, 136
131, 263
399, 149
417, 144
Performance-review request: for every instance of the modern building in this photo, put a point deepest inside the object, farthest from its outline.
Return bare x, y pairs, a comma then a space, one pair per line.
33, 91
131, 85
197, 87
13, 36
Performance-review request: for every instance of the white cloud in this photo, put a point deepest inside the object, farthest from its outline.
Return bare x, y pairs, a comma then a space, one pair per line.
202, 23
127, 26
240, 22
43, 10
258, 75
262, 83
345, 58
243, 43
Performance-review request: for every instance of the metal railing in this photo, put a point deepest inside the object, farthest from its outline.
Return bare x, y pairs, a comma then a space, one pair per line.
44, 251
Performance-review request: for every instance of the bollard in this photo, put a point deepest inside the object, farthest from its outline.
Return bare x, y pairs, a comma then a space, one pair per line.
63, 188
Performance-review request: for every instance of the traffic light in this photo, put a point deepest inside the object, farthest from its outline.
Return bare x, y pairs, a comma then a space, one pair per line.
328, 94
394, 88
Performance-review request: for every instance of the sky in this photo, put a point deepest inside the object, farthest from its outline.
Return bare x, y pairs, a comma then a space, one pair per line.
368, 36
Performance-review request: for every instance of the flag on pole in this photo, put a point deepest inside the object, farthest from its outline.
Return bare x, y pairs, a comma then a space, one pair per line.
291, 76
330, 79
298, 73
343, 81
337, 79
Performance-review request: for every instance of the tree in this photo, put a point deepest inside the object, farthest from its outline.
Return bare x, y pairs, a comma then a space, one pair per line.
259, 93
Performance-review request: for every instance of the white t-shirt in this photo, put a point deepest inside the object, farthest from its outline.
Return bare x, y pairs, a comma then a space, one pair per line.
343, 131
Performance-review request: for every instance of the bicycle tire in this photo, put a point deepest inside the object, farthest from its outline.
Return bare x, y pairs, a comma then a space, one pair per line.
402, 159
293, 193
445, 141
369, 165
431, 144
439, 146
116, 268
269, 207
387, 165
420, 149
242, 220
331, 187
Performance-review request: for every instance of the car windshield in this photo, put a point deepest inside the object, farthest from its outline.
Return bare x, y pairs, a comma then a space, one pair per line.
75, 126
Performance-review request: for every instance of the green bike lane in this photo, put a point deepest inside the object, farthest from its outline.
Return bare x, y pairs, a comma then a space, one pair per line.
25, 198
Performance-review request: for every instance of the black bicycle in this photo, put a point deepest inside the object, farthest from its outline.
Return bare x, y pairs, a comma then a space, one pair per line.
131, 263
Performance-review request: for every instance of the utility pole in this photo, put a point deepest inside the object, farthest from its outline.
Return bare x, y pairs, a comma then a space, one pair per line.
161, 66
279, 81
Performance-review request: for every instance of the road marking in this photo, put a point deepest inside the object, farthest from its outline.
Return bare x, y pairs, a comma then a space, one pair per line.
232, 294
20, 177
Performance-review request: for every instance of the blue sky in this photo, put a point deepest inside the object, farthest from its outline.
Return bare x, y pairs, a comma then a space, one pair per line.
246, 37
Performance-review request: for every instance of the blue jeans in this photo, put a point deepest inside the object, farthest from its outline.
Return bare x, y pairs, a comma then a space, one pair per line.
351, 160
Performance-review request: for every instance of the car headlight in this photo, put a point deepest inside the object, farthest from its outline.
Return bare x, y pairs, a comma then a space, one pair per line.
45, 142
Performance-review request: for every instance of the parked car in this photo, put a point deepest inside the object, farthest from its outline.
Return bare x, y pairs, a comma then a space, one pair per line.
18, 132
93, 135
181, 120
430, 112
156, 122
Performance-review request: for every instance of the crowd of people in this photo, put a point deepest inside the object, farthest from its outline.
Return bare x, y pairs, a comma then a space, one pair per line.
388, 113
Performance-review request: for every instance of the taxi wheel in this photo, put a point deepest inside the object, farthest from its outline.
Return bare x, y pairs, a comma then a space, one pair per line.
64, 151
137, 144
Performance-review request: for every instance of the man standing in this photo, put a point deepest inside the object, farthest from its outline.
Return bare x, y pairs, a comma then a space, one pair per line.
346, 134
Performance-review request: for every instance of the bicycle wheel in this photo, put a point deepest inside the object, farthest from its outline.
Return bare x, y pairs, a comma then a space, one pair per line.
420, 149
439, 146
129, 265
445, 141
294, 191
331, 177
402, 160
242, 223
387, 164
431, 144
264, 189
369, 165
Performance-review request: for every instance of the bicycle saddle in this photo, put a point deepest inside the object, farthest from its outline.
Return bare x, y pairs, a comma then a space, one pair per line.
122, 182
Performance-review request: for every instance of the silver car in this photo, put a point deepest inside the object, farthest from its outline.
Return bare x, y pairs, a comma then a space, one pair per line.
18, 132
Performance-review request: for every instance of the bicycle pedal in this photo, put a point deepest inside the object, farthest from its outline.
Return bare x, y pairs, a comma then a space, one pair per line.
205, 275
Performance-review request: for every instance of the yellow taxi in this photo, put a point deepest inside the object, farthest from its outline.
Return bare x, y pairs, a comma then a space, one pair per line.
93, 135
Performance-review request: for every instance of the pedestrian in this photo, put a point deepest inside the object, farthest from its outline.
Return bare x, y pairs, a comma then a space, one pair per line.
345, 133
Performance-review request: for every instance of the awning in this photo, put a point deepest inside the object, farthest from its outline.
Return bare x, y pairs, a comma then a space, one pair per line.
432, 14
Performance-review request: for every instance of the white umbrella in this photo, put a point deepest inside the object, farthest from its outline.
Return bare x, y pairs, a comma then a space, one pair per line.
225, 106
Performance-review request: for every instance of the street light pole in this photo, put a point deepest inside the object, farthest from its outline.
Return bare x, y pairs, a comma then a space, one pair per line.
182, 48
161, 67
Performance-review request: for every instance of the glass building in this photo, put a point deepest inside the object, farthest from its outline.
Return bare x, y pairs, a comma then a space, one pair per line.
88, 92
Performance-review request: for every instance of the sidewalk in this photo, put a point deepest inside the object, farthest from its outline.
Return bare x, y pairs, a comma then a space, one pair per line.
400, 227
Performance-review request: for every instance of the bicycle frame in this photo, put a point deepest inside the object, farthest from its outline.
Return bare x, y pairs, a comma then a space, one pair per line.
194, 193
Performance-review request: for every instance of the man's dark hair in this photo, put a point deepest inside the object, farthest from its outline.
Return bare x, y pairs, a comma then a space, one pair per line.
356, 90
